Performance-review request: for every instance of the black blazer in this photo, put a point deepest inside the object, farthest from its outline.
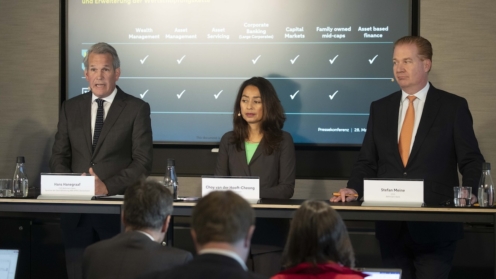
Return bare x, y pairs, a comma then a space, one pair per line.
129, 255
445, 140
124, 150
276, 171
207, 266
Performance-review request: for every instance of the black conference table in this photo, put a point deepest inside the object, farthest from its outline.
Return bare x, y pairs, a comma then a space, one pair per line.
272, 208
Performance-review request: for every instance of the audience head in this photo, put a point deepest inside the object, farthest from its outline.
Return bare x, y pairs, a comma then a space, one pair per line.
317, 235
257, 104
223, 218
147, 206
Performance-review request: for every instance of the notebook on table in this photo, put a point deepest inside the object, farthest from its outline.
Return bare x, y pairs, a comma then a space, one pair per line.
8, 263
381, 273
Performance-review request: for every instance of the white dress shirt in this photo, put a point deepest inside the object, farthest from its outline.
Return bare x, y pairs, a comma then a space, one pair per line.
106, 106
418, 105
147, 234
226, 253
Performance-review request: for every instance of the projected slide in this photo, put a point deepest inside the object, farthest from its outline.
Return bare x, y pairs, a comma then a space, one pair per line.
327, 59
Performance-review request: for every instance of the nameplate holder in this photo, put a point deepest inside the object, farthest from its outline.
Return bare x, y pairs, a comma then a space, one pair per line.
392, 192
67, 186
247, 187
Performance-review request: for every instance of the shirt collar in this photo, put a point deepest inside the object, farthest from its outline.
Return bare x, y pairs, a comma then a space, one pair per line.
147, 234
225, 253
421, 95
107, 99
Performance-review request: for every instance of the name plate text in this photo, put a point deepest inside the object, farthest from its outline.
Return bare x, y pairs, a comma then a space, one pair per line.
393, 191
67, 185
246, 187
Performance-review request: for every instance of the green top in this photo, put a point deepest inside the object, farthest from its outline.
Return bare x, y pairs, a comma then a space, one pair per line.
250, 150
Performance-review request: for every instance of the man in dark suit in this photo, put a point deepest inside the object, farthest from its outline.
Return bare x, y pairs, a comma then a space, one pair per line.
137, 251
420, 132
222, 227
106, 133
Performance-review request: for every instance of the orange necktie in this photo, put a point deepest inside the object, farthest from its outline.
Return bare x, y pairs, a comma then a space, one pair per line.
407, 131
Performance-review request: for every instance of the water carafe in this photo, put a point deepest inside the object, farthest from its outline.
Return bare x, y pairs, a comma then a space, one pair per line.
485, 194
170, 178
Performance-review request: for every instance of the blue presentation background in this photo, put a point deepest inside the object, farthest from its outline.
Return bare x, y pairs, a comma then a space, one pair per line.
211, 66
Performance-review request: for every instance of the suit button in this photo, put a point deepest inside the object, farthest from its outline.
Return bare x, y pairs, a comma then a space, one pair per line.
405, 173
91, 163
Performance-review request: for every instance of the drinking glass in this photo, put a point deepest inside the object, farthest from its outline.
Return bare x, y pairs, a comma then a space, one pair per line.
462, 196
5, 188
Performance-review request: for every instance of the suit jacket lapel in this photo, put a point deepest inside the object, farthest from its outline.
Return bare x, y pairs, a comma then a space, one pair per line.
429, 113
243, 159
85, 107
393, 115
113, 114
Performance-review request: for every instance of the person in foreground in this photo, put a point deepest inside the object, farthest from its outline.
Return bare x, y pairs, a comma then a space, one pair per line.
106, 133
138, 250
420, 132
221, 228
318, 245
258, 146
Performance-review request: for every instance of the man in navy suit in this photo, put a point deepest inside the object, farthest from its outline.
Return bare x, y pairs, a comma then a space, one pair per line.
440, 142
106, 133
222, 226
138, 250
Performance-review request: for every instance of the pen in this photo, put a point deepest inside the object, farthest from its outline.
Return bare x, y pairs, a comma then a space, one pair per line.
347, 195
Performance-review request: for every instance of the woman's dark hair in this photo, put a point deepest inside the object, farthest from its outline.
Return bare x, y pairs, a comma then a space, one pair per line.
317, 235
272, 120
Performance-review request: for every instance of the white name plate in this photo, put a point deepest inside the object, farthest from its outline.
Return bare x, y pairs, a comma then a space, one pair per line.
247, 187
67, 186
377, 192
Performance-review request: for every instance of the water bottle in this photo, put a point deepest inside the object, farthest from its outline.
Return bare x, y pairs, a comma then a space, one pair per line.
170, 178
486, 187
20, 180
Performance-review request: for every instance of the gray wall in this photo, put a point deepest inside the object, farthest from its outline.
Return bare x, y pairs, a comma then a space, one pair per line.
464, 63
29, 83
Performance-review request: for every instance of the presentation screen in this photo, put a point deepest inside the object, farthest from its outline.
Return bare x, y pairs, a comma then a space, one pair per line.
327, 59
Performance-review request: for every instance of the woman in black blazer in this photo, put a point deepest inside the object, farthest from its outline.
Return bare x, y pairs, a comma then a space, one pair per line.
257, 145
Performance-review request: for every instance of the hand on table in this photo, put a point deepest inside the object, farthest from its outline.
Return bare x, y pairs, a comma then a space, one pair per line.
346, 195
100, 187
473, 199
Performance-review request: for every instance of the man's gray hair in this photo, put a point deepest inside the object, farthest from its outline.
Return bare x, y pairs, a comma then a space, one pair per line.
103, 48
147, 204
